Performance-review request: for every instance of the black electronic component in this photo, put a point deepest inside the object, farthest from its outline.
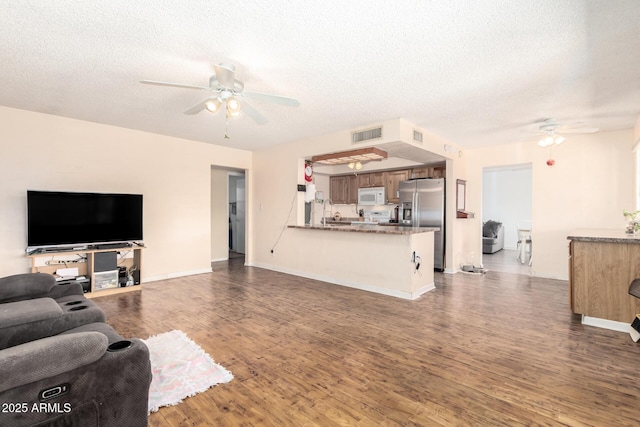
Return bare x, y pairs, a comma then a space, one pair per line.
105, 261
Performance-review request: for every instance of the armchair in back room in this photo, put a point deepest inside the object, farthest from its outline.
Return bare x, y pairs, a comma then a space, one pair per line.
492, 237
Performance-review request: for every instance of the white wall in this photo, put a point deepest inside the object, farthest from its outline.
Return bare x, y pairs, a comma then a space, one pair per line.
590, 184
219, 214
506, 198
45, 152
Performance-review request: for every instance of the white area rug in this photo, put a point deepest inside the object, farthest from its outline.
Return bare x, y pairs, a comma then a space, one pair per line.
180, 369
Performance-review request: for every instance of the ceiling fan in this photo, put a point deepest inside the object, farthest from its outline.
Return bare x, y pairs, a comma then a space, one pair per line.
551, 131
227, 90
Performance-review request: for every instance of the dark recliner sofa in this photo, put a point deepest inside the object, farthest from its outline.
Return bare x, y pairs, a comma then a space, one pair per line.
61, 367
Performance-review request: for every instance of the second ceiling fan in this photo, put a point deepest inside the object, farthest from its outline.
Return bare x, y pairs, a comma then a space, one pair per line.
551, 131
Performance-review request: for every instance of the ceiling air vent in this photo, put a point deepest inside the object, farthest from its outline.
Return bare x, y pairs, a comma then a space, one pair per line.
366, 135
417, 136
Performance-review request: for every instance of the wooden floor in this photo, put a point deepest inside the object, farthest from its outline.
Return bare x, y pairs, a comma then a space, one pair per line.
497, 349
506, 261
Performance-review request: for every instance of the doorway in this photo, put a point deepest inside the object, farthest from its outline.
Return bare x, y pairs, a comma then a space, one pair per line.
507, 198
228, 214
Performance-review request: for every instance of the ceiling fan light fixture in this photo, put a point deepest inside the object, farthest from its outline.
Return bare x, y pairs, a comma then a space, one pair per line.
213, 105
546, 141
233, 107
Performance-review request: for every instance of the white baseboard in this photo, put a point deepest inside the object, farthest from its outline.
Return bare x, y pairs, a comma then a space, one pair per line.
175, 275
362, 286
605, 324
220, 259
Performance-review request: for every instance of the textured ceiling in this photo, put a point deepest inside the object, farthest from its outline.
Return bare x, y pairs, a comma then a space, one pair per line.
474, 72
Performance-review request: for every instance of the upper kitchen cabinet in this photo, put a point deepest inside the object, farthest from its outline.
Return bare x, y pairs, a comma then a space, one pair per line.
338, 189
392, 183
429, 172
343, 189
372, 179
352, 189
439, 172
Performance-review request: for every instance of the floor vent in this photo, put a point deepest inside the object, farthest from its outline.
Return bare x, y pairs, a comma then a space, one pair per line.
417, 136
366, 135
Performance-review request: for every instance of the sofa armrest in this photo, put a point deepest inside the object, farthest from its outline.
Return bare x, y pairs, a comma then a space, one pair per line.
25, 312
48, 357
24, 286
65, 290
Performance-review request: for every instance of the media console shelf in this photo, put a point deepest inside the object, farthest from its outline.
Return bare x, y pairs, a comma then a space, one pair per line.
85, 261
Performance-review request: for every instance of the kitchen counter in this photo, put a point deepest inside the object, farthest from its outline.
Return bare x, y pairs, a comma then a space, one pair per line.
602, 264
380, 229
603, 235
387, 259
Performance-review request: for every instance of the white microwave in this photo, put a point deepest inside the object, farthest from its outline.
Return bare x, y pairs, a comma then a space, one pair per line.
372, 196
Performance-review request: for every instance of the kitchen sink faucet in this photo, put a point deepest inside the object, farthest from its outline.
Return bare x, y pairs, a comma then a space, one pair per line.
324, 210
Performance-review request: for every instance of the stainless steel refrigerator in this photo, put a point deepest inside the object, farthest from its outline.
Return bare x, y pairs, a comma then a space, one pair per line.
422, 205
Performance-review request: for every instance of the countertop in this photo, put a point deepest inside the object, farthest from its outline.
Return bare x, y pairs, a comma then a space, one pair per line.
379, 229
603, 235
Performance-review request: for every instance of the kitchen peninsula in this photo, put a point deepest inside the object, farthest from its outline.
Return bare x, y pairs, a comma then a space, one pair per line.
387, 259
602, 264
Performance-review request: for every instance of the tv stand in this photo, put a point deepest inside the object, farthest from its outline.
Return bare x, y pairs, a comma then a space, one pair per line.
85, 262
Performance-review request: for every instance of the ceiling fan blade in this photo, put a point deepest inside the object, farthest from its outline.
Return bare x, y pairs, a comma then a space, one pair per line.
254, 114
226, 75
156, 83
276, 99
578, 130
198, 107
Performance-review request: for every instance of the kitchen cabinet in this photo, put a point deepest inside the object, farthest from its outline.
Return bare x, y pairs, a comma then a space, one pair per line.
392, 184
602, 264
429, 172
439, 172
352, 189
421, 172
338, 189
343, 189
372, 179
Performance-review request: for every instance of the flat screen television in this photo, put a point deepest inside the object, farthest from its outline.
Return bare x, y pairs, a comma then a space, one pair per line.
56, 218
